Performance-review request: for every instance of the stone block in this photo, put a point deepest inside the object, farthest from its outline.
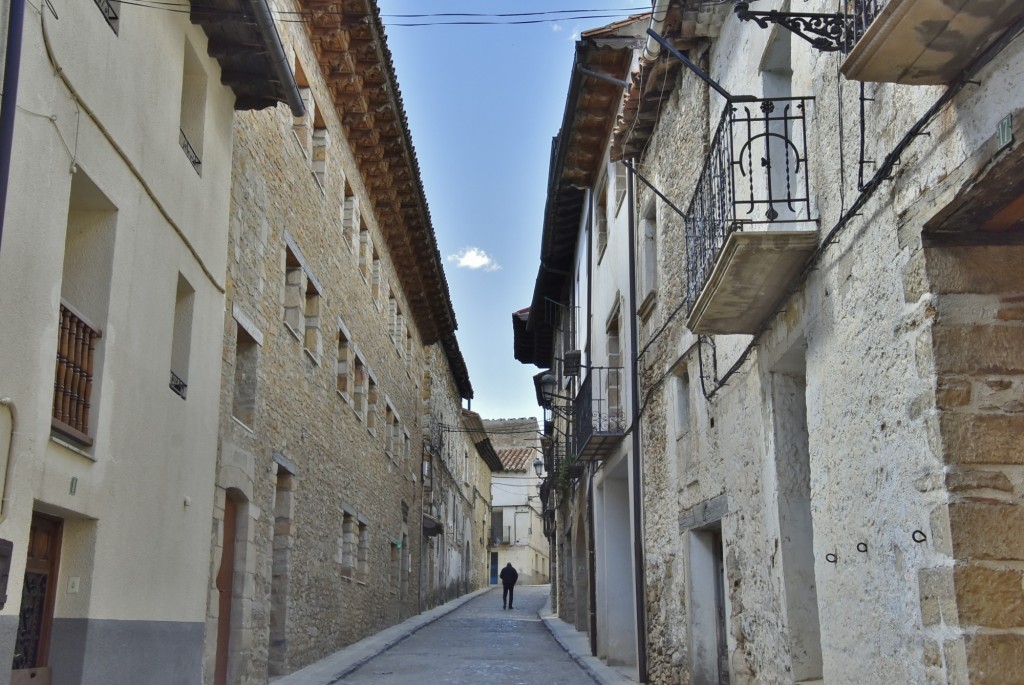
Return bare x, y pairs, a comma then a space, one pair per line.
995, 659
989, 269
936, 595
993, 598
982, 438
960, 480
987, 530
978, 349
953, 392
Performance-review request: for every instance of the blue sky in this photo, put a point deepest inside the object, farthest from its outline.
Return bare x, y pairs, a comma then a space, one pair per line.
484, 102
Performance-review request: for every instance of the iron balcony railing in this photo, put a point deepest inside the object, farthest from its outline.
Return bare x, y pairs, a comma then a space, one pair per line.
501, 535
109, 13
190, 152
73, 379
598, 409
179, 386
859, 15
755, 175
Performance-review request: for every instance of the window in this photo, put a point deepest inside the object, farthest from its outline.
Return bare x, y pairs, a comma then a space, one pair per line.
302, 126
407, 448
193, 108
302, 305
647, 273
682, 392
181, 339
243, 402
393, 318
615, 417
84, 302
366, 252
350, 222
363, 551
601, 218
377, 279
109, 9
348, 543
344, 361
321, 142
371, 405
389, 432
621, 185
408, 347
360, 389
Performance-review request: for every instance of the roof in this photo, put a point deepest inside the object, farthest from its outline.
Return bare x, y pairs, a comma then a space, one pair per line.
478, 434
351, 48
517, 458
576, 155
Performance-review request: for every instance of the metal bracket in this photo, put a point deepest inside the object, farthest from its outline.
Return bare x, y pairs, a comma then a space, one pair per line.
826, 32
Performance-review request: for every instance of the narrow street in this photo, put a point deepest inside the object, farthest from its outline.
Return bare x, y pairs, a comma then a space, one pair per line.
478, 643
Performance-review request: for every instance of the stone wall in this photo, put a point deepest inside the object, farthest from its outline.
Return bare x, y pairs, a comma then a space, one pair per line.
901, 389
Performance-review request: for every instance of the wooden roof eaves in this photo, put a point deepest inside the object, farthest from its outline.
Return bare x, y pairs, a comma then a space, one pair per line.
372, 103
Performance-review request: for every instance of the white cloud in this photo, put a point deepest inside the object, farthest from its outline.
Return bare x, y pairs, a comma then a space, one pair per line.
556, 28
474, 258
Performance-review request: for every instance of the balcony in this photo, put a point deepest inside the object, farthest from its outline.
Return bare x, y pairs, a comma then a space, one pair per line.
599, 422
749, 229
501, 535
922, 42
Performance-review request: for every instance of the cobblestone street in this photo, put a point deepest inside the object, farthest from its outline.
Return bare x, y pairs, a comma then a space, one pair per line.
478, 643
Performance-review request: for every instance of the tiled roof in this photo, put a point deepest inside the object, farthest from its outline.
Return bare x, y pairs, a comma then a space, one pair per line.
517, 459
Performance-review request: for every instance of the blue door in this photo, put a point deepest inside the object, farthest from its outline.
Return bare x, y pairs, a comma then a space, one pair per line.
494, 568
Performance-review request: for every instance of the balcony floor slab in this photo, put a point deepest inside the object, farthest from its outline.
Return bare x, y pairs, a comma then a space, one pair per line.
751, 274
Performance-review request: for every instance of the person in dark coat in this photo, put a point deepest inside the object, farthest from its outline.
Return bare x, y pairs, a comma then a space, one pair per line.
508, 576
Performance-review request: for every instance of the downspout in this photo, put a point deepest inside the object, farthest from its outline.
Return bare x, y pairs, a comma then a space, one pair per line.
591, 545
8, 470
652, 49
12, 70
278, 58
639, 582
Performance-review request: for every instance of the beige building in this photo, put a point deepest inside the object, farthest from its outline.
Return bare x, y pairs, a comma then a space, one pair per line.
828, 336
340, 368
112, 267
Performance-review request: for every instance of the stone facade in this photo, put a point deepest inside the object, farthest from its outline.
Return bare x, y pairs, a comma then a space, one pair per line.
832, 492
336, 375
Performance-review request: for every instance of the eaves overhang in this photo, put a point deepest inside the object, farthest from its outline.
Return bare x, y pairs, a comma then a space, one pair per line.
602, 60
351, 47
244, 41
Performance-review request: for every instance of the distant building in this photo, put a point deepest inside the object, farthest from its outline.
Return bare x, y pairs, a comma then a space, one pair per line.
517, 529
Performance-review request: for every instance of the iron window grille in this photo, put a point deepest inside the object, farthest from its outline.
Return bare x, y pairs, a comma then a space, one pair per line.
190, 152
73, 380
109, 13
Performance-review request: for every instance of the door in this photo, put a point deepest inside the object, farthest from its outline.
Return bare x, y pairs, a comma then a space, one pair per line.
35, 620
225, 589
494, 568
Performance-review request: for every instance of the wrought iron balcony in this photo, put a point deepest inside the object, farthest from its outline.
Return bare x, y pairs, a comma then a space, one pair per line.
599, 421
190, 152
923, 41
748, 226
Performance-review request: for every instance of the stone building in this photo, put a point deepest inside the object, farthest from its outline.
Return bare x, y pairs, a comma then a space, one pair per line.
112, 267
340, 368
829, 373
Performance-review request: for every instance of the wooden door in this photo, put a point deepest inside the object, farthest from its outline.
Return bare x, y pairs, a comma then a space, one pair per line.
225, 589
35, 619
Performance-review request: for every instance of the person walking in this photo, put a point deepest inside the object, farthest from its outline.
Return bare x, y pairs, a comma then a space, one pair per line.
508, 576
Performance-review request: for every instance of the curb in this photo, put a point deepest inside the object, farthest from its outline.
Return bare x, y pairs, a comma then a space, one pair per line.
577, 646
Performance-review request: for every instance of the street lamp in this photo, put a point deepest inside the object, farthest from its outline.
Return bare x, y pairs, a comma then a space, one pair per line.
547, 387
538, 466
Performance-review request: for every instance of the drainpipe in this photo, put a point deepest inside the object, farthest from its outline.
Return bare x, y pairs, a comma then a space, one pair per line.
278, 59
634, 400
652, 49
12, 69
8, 470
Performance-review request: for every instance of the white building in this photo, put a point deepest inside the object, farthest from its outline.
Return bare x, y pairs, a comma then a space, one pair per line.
112, 267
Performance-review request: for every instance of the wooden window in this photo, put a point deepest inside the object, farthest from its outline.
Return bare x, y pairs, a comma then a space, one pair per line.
243, 402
